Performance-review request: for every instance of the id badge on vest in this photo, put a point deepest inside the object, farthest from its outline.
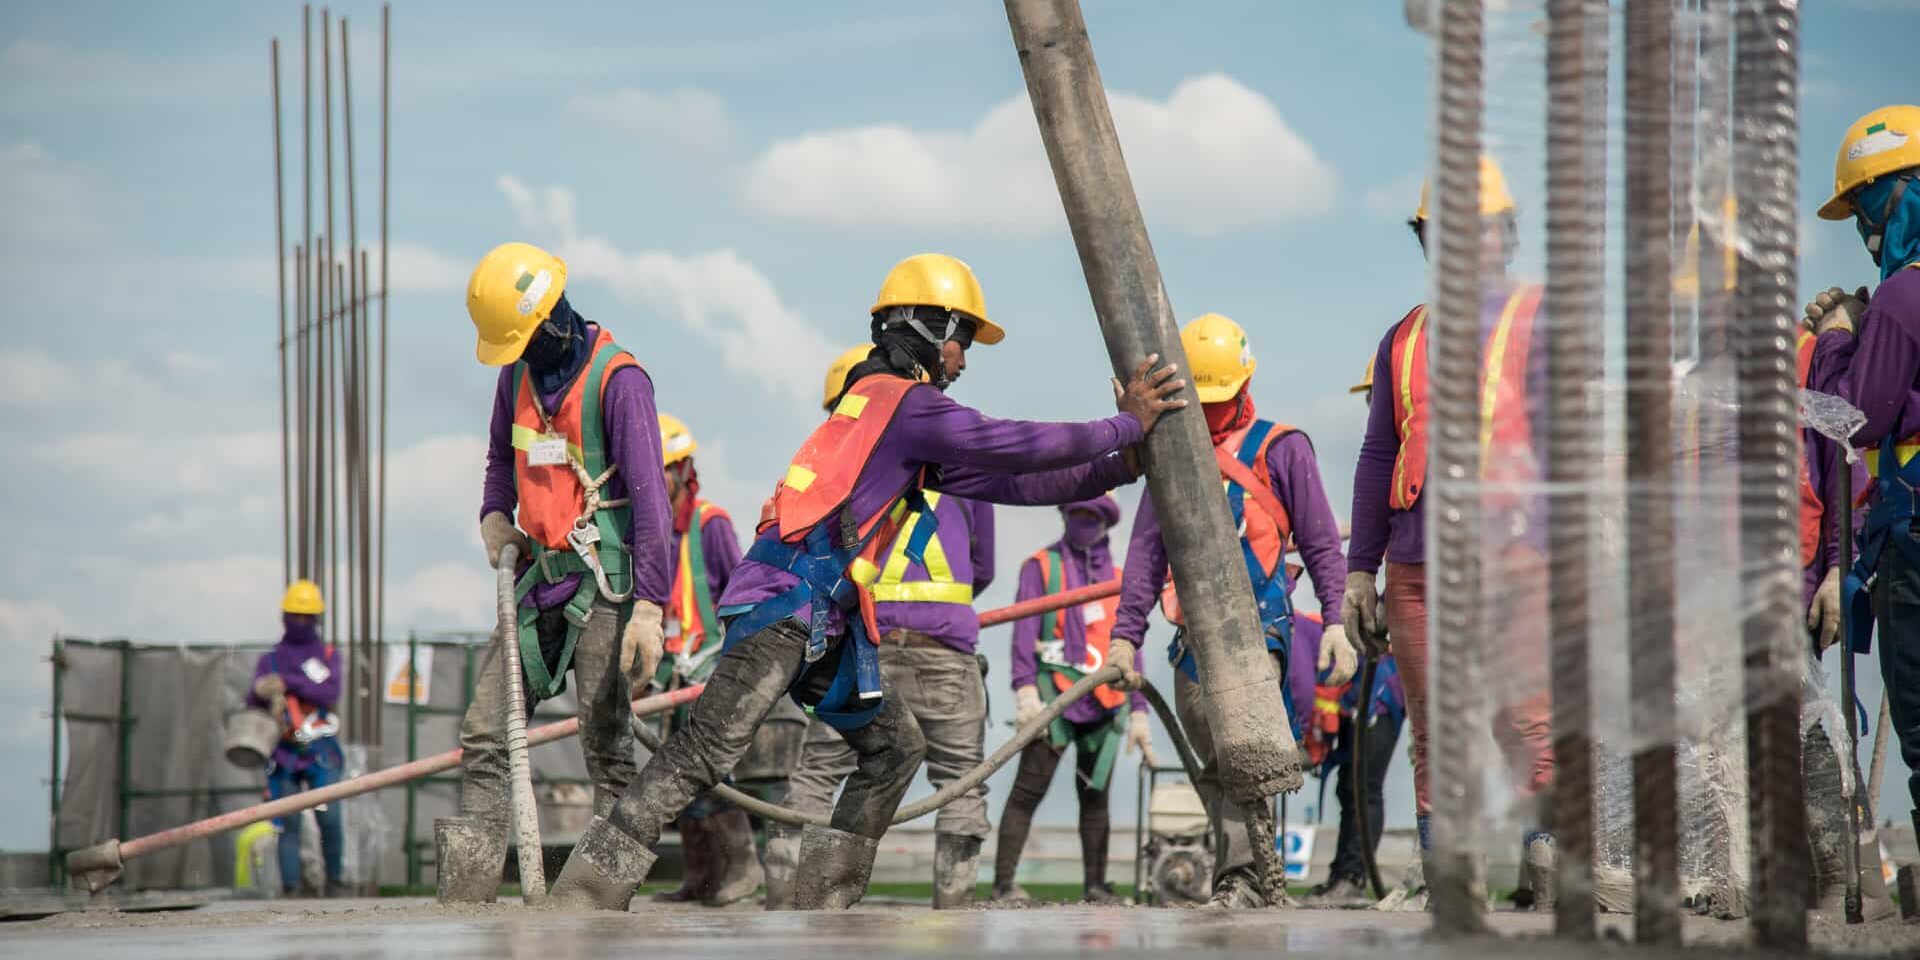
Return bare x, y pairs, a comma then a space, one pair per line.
547, 450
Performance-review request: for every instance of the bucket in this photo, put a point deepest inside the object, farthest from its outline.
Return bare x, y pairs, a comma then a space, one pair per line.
251, 737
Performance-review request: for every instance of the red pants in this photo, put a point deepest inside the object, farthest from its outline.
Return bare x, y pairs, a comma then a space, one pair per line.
1524, 730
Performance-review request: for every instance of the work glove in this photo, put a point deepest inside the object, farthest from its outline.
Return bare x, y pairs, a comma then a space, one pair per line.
270, 687
1338, 654
1026, 704
1823, 618
1360, 607
642, 644
1836, 309
496, 531
1140, 737
1120, 654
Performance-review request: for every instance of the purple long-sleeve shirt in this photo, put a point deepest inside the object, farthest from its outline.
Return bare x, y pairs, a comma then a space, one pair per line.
1295, 477
719, 547
1014, 462
633, 445
966, 537
1077, 569
311, 671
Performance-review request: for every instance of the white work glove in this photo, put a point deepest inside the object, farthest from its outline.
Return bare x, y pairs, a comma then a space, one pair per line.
642, 644
1823, 618
496, 531
1120, 654
1836, 309
1140, 737
1360, 607
1337, 652
1026, 704
270, 687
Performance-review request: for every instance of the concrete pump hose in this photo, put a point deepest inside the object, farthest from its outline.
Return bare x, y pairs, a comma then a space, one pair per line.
526, 814
1033, 729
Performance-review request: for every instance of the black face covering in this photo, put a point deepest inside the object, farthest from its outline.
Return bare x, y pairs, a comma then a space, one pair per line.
559, 349
909, 352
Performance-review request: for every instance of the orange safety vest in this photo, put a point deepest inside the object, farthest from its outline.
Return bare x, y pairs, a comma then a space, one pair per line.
683, 607
1812, 510
1503, 384
552, 497
1099, 633
1267, 527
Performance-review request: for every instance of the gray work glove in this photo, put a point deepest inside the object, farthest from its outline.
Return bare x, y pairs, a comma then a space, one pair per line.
1026, 704
1140, 738
1120, 654
270, 687
1823, 618
1337, 656
496, 531
642, 644
1363, 613
1836, 309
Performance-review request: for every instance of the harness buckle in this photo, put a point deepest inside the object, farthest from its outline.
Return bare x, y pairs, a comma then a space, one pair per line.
582, 538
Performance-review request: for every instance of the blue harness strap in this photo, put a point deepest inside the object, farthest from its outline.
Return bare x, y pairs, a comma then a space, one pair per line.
1272, 593
1889, 523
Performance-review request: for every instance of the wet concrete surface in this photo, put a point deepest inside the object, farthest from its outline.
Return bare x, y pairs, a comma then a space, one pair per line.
322, 930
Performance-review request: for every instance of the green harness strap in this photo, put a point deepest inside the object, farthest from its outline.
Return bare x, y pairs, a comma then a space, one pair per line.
1103, 741
553, 566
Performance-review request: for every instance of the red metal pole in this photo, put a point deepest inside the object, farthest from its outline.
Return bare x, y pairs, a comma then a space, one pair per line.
1049, 603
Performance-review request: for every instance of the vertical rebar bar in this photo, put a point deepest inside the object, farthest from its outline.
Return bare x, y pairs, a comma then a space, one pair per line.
280, 271
56, 857
301, 318
328, 527
386, 71
1766, 178
1574, 130
1453, 476
369, 635
352, 399
1650, 477
1686, 46
306, 231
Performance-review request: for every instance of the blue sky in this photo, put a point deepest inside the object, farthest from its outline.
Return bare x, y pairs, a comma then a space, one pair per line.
729, 181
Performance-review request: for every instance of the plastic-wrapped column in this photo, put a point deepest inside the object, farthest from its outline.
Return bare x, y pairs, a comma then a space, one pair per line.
1766, 171
1456, 708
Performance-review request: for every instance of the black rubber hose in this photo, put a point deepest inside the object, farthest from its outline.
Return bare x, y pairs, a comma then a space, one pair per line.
1034, 728
1363, 812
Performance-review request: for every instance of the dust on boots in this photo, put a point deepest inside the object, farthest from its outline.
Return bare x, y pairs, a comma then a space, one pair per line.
956, 869
783, 861
604, 870
834, 869
470, 854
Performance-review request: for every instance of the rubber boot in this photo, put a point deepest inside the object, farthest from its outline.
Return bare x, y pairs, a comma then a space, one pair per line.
470, 856
1538, 856
1237, 889
834, 868
783, 861
604, 870
697, 862
956, 869
736, 864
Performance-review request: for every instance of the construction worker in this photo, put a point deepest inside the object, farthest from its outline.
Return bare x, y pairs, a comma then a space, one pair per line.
1868, 353
573, 479
799, 614
1331, 741
1273, 485
1050, 654
298, 681
719, 864
929, 634
1388, 517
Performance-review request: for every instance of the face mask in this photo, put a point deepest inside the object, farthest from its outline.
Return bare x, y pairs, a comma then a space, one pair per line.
1084, 529
301, 629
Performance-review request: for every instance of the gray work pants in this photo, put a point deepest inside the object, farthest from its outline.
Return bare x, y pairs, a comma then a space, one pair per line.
943, 690
1231, 851
604, 710
748, 680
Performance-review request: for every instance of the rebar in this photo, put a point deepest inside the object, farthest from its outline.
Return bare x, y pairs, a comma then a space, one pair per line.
280, 272
380, 572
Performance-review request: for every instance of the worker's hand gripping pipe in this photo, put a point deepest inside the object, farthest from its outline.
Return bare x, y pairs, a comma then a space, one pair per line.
526, 813
1033, 729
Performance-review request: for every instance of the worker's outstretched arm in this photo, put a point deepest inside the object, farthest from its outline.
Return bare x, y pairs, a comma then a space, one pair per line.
1296, 481
1145, 573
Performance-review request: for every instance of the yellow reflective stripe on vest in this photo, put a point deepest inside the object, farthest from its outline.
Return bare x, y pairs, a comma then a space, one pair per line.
851, 406
893, 587
1405, 383
523, 438
1495, 365
1904, 450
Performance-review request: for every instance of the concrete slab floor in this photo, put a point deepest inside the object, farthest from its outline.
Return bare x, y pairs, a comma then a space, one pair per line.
324, 930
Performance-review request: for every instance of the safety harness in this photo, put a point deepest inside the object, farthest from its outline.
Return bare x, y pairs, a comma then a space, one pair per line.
1895, 468
939, 587
1056, 675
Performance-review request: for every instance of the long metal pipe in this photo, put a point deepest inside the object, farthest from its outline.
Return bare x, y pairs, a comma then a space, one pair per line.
1256, 750
1766, 170
386, 73
1576, 127
1650, 470
306, 311
372, 638
280, 272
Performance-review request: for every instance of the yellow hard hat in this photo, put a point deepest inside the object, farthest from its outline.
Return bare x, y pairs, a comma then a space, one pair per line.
1882, 142
937, 280
837, 374
1495, 199
1218, 357
512, 292
303, 596
1366, 382
676, 441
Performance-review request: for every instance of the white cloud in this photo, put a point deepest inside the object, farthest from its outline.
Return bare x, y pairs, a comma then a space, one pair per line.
450, 596
690, 120
420, 269
717, 295
1214, 156
224, 598
437, 480
26, 629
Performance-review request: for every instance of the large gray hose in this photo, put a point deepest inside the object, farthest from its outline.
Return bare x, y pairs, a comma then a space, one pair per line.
526, 815
1028, 732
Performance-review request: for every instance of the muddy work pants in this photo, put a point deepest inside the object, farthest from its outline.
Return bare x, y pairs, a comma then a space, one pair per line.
1038, 761
604, 709
748, 681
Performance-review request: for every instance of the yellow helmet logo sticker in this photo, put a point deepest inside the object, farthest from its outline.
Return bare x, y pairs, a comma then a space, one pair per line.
1878, 140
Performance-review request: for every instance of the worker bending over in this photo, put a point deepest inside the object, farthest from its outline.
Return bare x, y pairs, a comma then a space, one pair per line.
799, 612
298, 682
1273, 487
